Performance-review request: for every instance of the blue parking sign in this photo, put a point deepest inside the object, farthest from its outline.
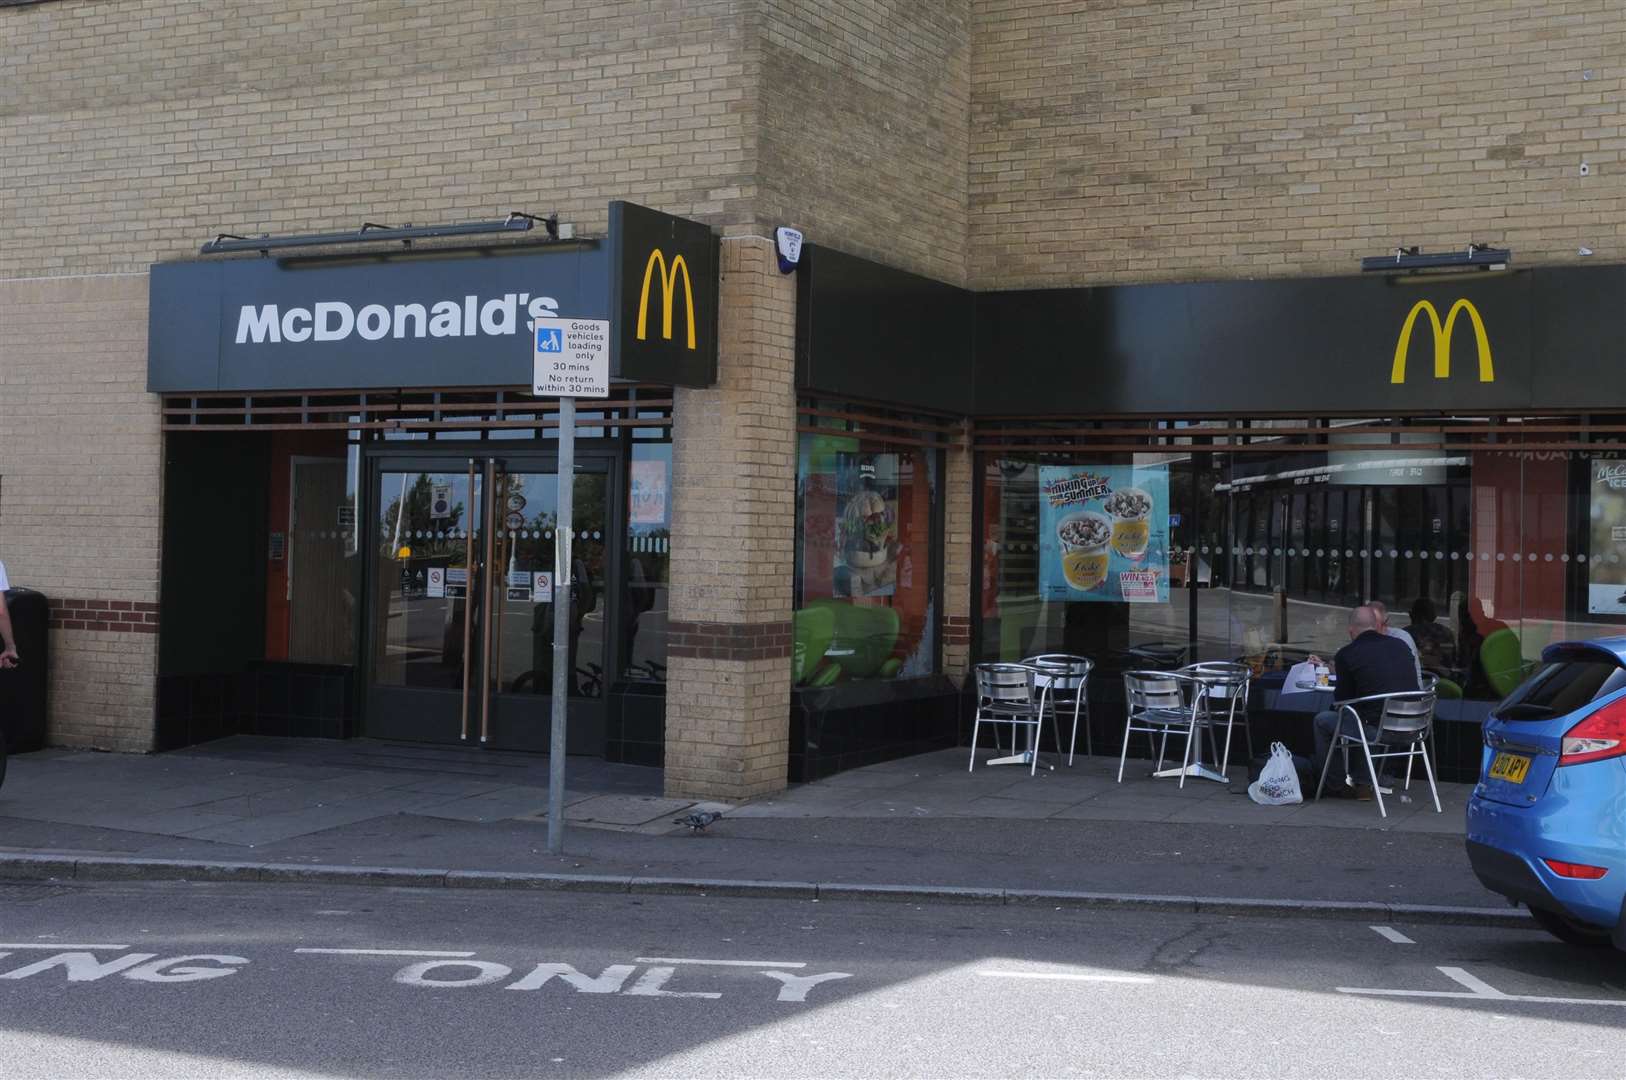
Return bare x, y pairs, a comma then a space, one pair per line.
550, 339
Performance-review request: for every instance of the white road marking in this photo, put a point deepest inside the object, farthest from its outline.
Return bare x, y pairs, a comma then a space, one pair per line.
1478, 990
795, 987
1393, 935
721, 963
1066, 976
610, 982
653, 982
59, 948
485, 973
1472, 982
388, 952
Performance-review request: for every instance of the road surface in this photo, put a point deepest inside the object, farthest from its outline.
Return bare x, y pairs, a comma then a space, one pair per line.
170, 979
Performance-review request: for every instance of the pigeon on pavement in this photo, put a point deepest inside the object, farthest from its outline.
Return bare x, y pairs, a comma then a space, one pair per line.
698, 820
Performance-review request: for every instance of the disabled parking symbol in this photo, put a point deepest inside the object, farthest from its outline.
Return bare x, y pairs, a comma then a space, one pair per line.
550, 339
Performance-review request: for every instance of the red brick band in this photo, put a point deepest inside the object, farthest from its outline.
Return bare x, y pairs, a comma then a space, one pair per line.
113, 616
956, 630
728, 641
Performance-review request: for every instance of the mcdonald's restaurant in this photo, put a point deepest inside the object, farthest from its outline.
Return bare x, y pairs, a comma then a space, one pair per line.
817, 490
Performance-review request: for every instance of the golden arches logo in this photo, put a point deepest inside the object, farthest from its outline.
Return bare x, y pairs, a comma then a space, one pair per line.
1442, 340
669, 280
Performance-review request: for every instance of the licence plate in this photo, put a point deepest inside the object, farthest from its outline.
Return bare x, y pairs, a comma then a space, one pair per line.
1510, 767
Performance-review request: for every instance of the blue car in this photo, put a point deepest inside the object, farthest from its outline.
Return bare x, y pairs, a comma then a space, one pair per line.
1547, 821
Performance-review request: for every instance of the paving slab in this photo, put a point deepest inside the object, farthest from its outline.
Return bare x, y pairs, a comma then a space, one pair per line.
625, 809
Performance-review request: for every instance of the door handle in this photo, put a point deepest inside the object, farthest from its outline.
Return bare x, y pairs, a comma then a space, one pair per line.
468, 608
489, 596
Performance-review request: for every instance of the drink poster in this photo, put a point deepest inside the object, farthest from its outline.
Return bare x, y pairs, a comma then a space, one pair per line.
866, 555
1104, 533
1606, 556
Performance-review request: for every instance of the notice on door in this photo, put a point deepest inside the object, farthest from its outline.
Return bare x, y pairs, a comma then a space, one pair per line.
519, 585
571, 358
542, 587
435, 586
457, 582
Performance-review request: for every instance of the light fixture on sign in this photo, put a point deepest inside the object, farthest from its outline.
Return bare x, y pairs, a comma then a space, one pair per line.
1476, 257
371, 233
787, 244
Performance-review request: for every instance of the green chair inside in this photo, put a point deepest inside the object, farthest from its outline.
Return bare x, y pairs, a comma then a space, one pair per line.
1503, 661
835, 639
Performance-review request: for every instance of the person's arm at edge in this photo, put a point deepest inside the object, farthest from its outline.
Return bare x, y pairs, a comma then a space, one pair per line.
8, 640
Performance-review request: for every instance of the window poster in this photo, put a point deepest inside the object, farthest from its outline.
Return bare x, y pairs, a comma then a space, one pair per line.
1606, 556
647, 500
1104, 533
866, 525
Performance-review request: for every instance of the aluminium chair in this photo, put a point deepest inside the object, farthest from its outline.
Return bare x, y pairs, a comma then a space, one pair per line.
1160, 704
1065, 680
1008, 694
1226, 701
1402, 730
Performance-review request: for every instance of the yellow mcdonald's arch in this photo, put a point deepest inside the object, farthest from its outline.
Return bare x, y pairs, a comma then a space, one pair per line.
1442, 340
669, 277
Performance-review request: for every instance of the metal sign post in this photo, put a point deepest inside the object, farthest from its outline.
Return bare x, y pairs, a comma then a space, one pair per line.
572, 359
564, 596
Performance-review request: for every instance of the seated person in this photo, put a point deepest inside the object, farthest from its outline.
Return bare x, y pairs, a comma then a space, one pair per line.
1436, 645
1372, 663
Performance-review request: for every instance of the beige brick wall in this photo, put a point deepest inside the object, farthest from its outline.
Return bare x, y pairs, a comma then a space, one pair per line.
80, 467
1124, 140
134, 130
733, 548
864, 110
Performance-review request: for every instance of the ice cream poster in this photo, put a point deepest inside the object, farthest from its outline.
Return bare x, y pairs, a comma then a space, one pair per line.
1104, 533
866, 525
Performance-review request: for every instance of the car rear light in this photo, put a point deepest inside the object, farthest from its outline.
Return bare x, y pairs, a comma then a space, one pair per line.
1576, 870
1601, 735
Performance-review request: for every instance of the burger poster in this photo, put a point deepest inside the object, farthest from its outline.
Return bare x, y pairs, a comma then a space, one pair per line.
866, 525
1104, 533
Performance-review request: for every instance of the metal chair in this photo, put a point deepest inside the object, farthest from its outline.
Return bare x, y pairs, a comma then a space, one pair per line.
1008, 694
1227, 699
1160, 703
1065, 680
1406, 721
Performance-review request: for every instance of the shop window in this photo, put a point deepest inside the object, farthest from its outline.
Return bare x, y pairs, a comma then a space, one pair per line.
865, 591
1090, 555
1483, 552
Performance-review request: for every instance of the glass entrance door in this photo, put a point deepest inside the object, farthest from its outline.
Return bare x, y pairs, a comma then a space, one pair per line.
462, 597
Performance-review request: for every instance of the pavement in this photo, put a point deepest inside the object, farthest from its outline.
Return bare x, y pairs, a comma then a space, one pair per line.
214, 979
362, 810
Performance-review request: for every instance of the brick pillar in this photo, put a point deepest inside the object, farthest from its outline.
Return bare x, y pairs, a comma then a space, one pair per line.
959, 560
733, 544
80, 453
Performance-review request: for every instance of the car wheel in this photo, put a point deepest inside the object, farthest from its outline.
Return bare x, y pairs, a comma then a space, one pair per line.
1569, 931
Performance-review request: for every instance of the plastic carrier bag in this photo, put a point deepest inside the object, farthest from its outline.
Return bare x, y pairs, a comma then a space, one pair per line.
1278, 784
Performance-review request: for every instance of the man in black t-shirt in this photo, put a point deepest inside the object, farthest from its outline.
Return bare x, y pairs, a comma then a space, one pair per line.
1372, 663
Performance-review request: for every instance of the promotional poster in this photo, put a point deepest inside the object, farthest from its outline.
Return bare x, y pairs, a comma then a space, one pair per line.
1104, 533
1606, 576
866, 556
